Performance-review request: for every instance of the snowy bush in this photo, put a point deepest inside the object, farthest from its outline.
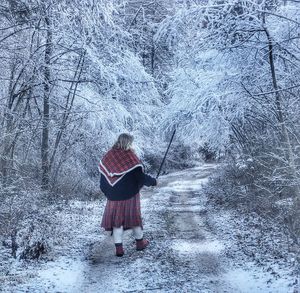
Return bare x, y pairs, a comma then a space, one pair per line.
25, 221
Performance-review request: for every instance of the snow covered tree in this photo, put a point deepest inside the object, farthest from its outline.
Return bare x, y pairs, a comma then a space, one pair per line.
70, 84
77, 65
234, 86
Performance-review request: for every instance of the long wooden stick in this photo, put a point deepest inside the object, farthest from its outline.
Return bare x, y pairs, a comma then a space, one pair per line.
162, 163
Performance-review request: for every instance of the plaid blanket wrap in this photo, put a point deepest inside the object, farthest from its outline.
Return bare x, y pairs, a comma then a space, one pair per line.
116, 163
127, 213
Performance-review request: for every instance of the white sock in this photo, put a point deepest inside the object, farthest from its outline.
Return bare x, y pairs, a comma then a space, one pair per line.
118, 234
137, 232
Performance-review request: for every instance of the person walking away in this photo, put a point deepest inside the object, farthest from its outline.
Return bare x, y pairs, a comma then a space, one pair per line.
122, 177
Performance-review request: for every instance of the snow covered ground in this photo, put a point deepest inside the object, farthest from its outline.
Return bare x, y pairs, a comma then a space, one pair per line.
191, 250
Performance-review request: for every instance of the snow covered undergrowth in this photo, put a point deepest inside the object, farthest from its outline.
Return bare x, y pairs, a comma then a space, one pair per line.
194, 247
62, 267
253, 267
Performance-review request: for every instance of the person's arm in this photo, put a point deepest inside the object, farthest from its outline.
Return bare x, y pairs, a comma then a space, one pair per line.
144, 179
149, 180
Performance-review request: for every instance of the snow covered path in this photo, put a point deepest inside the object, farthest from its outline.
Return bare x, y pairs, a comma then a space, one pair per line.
185, 254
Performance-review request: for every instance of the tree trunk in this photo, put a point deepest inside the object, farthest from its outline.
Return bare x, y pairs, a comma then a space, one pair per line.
68, 106
14, 244
46, 108
152, 55
280, 116
8, 131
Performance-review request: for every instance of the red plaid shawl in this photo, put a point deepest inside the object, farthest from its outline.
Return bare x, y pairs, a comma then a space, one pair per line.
116, 163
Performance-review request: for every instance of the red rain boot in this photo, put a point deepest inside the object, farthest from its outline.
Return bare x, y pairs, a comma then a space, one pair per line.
119, 249
141, 244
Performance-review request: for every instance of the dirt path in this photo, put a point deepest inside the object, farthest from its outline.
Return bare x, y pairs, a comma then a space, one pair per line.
185, 254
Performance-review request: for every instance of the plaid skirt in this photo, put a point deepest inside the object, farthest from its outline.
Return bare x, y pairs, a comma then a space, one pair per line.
126, 213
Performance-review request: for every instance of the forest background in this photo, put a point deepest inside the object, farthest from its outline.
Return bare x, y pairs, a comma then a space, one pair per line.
75, 74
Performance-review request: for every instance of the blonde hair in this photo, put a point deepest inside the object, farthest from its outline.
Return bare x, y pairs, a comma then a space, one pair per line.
124, 141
